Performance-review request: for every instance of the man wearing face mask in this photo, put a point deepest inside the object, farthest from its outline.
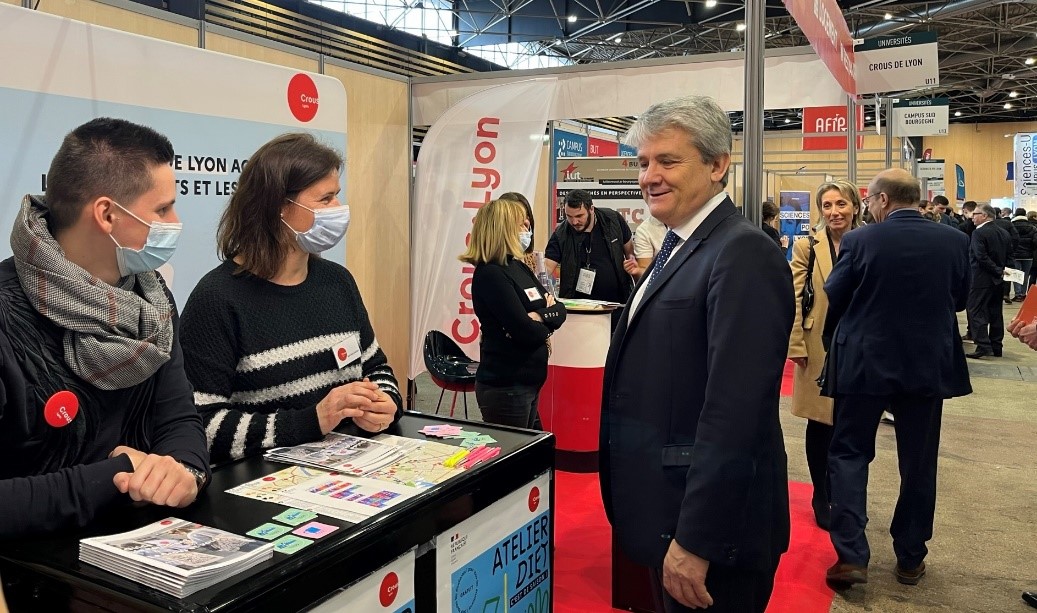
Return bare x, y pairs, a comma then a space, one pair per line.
95, 407
278, 343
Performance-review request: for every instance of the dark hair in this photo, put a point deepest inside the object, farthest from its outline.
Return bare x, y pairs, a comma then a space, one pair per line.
941, 200
517, 197
1020, 212
102, 157
770, 210
250, 228
969, 205
578, 198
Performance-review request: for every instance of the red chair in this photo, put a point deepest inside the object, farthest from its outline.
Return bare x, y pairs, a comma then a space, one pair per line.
449, 368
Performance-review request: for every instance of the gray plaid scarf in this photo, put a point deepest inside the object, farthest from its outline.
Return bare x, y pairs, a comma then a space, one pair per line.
114, 339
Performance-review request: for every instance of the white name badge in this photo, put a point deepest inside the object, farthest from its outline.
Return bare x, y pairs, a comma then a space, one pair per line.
348, 351
532, 294
585, 282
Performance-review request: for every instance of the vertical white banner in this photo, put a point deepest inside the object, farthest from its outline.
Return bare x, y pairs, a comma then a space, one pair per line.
389, 589
499, 559
485, 145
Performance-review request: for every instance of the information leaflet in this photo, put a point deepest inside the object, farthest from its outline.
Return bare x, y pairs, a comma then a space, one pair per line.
499, 560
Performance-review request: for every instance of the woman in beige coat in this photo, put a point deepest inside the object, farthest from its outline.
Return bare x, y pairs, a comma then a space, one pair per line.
839, 204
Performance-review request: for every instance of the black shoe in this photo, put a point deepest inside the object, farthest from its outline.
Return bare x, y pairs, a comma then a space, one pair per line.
1008, 301
1019, 298
979, 353
1030, 598
967, 337
841, 576
910, 576
997, 353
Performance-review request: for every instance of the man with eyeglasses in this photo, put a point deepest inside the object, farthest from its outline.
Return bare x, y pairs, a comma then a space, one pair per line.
893, 344
988, 255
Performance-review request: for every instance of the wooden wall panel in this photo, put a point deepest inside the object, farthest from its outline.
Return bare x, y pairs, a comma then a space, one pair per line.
120, 19
378, 193
231, 46
983, 151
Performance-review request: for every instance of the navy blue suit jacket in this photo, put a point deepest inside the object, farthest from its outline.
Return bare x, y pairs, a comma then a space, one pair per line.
691, 444
892, 298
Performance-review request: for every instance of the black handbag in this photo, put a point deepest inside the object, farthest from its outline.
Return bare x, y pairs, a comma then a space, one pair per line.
806, 301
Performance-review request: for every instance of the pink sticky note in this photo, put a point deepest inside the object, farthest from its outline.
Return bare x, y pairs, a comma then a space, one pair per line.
314, 530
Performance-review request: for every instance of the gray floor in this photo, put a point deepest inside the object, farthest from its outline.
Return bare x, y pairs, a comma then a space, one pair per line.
982, 555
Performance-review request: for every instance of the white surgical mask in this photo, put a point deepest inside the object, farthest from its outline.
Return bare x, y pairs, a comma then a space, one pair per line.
525, 238
157, 249
329, 226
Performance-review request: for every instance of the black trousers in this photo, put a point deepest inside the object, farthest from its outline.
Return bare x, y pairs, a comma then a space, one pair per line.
853, 448
818, 440
734, 590
1006, 287
985, 313
509, 405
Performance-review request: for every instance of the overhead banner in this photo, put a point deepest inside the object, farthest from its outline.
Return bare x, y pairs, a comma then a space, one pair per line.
822, 23
58, 74
387, 590
485, 145
611, 182
894, 63
821, 119
499, 559
599, 147
627, 151
1024, 168
569, 144
922, 117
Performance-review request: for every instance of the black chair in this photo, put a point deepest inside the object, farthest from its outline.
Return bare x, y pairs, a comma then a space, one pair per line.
450, 368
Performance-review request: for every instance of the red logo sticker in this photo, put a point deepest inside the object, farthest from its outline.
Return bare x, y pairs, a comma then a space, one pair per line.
390, 587
302, 97
166, 522
342, 354
534, 499
61, 409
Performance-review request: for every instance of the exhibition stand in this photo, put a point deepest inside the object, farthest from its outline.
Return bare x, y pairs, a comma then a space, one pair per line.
570, 400
458, 530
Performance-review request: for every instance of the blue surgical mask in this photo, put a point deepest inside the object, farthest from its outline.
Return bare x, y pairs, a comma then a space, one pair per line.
525, 239
329, 226
157, 249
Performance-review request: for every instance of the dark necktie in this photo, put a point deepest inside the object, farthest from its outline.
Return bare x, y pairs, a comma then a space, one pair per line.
664, 254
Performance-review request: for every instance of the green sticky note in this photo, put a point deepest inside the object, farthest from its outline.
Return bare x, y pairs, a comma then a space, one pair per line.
290, 544
268, 531
294, 517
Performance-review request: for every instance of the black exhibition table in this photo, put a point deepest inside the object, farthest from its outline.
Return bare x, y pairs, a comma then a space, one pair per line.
48, 568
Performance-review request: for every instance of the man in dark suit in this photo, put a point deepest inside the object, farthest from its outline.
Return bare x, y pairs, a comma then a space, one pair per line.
988, 256
693, 467
1003, 219
893, 342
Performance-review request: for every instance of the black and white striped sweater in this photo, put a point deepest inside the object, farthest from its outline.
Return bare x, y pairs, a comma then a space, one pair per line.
260, 355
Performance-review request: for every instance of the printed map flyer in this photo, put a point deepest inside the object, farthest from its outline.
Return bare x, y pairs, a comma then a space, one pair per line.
499, 560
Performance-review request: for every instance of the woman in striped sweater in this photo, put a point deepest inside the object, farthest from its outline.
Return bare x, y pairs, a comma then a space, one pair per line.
277, 341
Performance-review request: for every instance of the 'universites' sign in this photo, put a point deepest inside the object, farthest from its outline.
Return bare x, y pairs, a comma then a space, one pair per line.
893, 63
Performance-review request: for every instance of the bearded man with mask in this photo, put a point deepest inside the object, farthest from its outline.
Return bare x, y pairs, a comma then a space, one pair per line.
278, 342
95, 407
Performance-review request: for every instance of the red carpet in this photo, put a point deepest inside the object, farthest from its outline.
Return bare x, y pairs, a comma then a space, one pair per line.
583, 559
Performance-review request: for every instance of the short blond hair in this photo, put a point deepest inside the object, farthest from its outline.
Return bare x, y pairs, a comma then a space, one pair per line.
494, 236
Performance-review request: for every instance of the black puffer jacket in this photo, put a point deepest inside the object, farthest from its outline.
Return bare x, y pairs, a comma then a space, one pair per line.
1027, 238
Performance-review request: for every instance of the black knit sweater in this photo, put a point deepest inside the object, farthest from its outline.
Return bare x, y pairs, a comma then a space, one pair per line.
260, 355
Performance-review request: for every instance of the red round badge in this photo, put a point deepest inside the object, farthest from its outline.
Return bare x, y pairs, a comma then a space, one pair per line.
534, 499
302, 97
61, 409
342, 354
390, 587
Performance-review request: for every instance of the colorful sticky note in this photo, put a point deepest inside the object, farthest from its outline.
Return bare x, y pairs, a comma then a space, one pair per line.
268, 531
315, 530
294, 517
290, 544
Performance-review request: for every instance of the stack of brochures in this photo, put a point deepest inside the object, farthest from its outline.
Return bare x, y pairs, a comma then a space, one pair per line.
175, 556
340, 453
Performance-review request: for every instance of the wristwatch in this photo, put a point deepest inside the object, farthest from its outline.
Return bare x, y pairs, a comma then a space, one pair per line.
199, 475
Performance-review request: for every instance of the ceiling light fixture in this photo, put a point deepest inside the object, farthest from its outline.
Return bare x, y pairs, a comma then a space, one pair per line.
740, 27
1030, 61
711, 3
887, 16
787, 120
1008, 105
619, 40
957, 113
1013, 94
572, 18
868, 118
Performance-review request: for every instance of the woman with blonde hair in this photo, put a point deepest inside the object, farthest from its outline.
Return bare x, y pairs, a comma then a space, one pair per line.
839, 204
516, 317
